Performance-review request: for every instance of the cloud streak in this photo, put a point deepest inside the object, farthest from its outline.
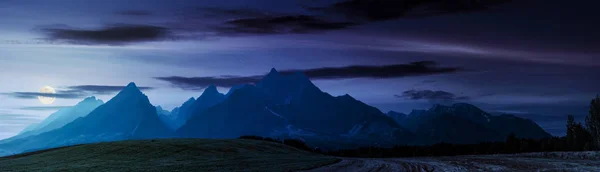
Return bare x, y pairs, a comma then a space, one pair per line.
431, 95
385, 71
43, 108
100, 89
198, 83
18, 118
109, 35
135, 13
35, 95
207, 22
353, 12
73, 92
290, 24
325, 73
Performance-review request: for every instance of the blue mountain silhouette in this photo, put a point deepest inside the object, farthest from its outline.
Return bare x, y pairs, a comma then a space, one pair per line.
290, 105
61, 117
279, 106
128, 115
465, 123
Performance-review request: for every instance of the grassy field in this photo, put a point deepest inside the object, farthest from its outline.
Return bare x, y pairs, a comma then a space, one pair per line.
169, 155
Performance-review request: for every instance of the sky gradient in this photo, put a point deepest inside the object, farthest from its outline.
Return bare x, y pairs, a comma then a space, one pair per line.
535, 58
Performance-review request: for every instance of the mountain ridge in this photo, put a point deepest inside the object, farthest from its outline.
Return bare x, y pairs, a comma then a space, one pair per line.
443, 123
280, 105
129, 115
61, 117
293, 107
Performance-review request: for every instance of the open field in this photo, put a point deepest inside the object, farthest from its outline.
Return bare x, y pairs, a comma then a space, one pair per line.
255, 155
169, 155
553, 161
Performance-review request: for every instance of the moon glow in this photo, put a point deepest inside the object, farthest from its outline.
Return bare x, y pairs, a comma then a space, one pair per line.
44, 99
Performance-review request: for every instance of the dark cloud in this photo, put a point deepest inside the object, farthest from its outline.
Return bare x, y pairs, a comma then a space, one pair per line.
100, 89
347, 72
278, 25
135, 13
385, 71
378, 10
253, 22
223, 22
209, 22
110, 35
197, 83
43, 108
431, 95
73, 92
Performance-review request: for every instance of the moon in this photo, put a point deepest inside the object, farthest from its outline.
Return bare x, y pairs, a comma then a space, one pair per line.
47, 90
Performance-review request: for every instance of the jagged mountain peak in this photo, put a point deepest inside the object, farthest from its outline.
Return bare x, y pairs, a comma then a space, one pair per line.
91, 99
273, 71
131, 90
285, 82
272, 76
440, 108
210, 90
394, 112
131, 85
235, 87
191, 99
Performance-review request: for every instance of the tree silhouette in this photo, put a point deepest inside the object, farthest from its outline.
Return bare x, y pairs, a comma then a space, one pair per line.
593, 121
578, 137
571, 130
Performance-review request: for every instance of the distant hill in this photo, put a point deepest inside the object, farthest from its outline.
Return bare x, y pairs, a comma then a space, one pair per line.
169, 155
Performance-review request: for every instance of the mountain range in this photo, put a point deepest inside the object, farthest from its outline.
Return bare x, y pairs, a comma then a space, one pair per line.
128, 115
278, 106
465, 123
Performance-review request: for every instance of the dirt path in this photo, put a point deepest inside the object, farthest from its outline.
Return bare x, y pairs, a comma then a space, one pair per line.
461, 163
385, 165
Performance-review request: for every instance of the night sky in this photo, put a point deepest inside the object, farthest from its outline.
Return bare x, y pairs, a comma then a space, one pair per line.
536, 59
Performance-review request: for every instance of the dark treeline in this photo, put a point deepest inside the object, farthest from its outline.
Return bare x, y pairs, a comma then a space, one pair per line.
579, 137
